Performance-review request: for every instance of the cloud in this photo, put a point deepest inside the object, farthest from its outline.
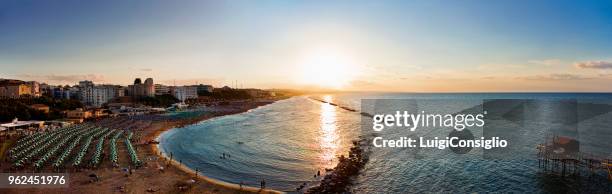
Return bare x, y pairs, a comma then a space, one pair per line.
217, 82
52, 78
553, 77
545, 62
594, 65
605, 75
140, 69
496, 67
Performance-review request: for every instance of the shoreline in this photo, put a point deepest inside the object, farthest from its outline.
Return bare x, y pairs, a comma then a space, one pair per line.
200, 176
156, 175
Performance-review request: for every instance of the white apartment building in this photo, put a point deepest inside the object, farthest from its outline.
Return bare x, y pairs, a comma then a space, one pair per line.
92, 95
183, 93
101, 95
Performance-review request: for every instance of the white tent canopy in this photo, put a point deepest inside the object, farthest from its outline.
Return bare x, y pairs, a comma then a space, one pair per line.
20, 124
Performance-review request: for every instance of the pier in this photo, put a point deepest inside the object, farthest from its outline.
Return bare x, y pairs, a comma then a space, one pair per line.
560, 155
339, 179
343, 107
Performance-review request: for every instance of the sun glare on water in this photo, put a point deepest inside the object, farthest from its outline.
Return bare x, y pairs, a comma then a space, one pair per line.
327, 68
330, 139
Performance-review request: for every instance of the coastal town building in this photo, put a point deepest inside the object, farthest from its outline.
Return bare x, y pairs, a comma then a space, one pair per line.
136, 89
53, 91
149, 87
119, 91
161, 89
16, 124
139, 89
14, 89
105, 93
97, 95
100, 95
34, 88
40, 107
183, 93
86, 91
203, 89
65, 92
45, 89
78, 113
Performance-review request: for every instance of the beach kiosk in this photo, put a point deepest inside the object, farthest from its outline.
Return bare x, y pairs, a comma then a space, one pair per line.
20, 126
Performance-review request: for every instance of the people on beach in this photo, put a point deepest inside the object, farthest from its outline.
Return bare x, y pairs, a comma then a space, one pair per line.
225, 156
301, 186
263, 183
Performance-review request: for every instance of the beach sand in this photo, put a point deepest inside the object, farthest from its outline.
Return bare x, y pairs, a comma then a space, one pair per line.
149, 178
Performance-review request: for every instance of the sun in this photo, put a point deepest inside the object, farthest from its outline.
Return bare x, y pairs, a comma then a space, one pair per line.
327, 68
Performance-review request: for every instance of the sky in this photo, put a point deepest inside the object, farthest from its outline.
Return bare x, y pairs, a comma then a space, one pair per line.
400, 46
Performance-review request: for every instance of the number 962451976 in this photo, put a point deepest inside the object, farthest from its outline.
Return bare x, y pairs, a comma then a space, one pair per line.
36, 180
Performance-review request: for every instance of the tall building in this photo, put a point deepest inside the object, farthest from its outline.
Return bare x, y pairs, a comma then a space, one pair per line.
100, 95
92, 95
86, 83
138, 89
86, 89
149, 87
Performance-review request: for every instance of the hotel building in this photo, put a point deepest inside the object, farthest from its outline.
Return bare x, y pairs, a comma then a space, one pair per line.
183, 93
138, 89
92, 95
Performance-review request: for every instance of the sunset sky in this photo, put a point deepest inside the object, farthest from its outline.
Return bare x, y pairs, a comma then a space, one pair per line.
402, 46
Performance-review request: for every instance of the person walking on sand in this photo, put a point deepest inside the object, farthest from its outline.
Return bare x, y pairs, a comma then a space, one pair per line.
263, 182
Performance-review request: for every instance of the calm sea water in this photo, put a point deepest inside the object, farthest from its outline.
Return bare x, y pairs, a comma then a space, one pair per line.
287, 142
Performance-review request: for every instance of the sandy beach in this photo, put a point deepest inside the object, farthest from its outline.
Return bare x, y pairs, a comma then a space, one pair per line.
150, 178
202, 176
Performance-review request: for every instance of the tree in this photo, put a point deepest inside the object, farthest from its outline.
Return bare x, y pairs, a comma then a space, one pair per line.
20, 108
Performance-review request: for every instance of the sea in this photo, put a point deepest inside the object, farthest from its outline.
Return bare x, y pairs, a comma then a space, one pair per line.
287, 142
